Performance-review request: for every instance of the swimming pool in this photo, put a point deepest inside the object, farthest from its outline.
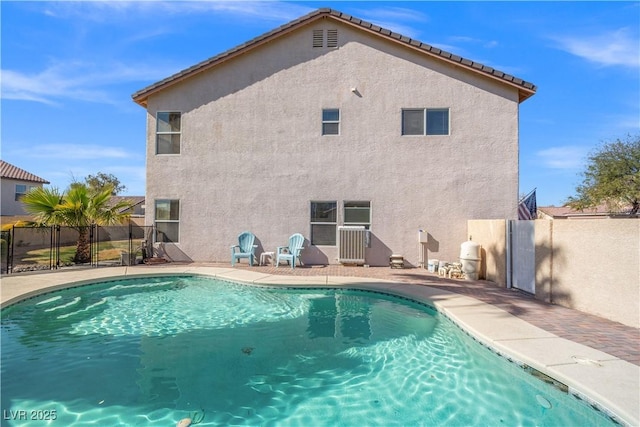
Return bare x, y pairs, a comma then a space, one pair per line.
153, 351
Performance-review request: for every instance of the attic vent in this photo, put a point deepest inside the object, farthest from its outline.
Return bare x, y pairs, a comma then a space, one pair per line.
318, 38
320, 41
332, 38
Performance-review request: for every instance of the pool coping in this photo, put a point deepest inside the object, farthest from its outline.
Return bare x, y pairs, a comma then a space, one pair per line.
601, 379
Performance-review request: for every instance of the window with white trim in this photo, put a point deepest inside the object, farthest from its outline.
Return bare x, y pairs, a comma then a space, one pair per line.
357, 213
167, 220
425, 121
324, 220
331, 121
168, 132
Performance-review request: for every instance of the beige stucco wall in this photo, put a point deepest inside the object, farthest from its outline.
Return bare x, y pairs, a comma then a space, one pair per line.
544, 256
253, 158
491, 236
596, 267
591, 265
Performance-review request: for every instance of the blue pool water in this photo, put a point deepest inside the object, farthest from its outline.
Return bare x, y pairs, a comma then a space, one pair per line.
149, 352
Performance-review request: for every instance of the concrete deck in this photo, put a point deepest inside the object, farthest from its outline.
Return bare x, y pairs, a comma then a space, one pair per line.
551, 339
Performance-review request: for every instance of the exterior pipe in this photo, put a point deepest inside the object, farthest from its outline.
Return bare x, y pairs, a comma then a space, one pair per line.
508, 252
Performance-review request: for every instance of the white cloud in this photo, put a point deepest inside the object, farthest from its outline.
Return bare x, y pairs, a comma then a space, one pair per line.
489, 44
48, 85
563, 157
92, 80
101, 11
629, 121
619, 47
396, 19
394, 14
271, 10
77, 152
77, 80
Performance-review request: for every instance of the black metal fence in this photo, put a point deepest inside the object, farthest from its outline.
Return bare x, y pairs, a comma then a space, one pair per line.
48, 248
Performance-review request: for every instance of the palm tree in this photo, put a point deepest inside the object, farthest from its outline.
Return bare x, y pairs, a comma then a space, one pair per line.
78, 208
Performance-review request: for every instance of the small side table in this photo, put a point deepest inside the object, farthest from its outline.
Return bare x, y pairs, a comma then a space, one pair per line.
396, 261
264, 256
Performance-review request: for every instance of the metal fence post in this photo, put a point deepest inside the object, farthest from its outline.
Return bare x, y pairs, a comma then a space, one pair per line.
132, 254
52, 246
94, 243
10, 250
10, 263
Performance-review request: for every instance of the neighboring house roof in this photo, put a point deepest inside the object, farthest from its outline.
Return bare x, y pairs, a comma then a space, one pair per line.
9, 171
525, 89
134, 200
565, 212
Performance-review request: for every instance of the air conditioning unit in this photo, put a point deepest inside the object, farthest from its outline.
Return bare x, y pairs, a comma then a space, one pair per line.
352, 243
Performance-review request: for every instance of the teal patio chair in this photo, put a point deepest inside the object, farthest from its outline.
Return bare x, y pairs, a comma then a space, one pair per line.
291, 252
244, 249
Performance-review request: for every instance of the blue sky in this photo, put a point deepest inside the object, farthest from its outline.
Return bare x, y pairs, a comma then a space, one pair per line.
69, 69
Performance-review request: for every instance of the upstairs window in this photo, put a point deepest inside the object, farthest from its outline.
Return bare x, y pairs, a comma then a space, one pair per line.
413, 122
425, 121
168, 132
331, 121
437, 121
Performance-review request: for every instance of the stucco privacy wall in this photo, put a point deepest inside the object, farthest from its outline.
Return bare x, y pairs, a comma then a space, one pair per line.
596, 267
591, 265
491, 235
253, 158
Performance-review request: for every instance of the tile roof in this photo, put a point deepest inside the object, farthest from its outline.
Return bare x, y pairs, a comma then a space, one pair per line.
567, 212
134, 200
9, 171
525, 89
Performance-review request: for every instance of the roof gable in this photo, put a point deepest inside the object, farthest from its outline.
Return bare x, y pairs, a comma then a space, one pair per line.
525, 89
9, 171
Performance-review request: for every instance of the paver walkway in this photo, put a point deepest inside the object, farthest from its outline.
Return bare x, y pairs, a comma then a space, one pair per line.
611, 337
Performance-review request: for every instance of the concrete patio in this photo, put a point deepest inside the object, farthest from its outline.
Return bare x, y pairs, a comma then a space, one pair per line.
599, 360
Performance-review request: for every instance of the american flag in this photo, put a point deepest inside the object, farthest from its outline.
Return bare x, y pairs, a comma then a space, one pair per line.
528, 208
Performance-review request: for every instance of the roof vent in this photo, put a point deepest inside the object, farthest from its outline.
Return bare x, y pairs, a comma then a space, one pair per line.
332, 38
318, 38
330, 41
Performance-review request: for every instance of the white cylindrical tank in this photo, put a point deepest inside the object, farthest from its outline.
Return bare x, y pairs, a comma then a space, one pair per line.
470, 259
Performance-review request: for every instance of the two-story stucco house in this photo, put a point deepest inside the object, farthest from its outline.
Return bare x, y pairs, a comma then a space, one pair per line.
330, 121
15, 183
